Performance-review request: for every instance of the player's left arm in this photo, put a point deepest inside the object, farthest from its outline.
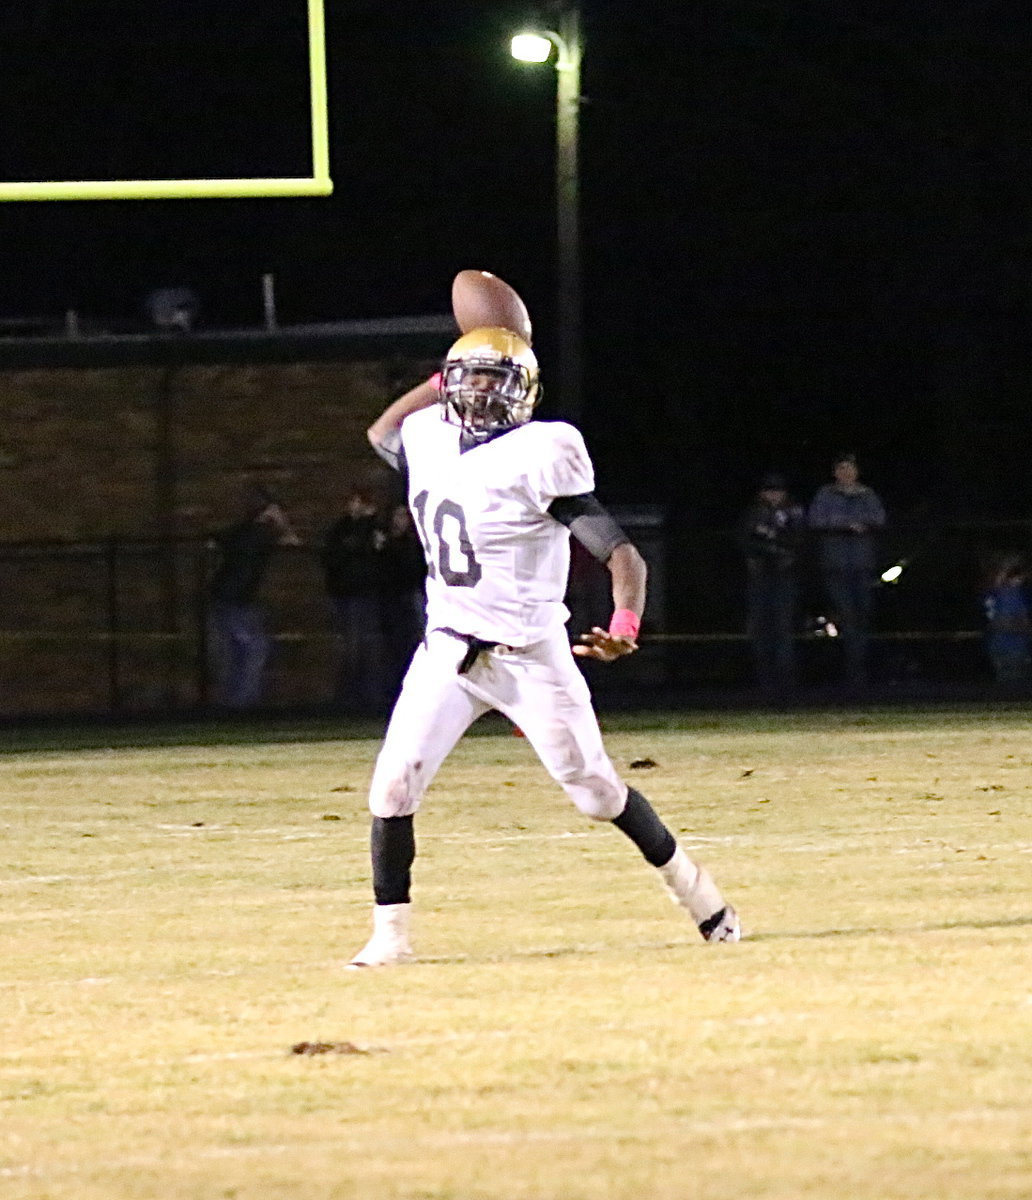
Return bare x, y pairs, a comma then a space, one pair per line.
597, 531
628, 572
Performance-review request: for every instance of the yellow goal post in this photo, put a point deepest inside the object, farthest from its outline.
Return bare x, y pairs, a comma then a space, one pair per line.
318, 184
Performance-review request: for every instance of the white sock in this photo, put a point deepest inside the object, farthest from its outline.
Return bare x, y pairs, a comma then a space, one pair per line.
390, 941
691, 886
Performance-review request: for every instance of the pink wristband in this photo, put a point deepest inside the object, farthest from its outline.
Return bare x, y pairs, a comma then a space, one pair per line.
435, 381
624, 624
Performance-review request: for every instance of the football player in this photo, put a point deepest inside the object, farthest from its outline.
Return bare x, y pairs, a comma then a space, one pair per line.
495, 496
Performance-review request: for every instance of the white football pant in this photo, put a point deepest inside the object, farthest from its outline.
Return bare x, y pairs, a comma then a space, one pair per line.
539, 688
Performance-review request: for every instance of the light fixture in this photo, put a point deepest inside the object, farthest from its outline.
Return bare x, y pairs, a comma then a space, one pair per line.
535, 46
531, 47
892, 574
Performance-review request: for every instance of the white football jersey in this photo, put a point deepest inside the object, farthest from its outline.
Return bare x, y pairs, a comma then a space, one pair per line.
497, 563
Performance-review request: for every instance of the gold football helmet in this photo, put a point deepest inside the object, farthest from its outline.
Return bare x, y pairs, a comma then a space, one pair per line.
489, 382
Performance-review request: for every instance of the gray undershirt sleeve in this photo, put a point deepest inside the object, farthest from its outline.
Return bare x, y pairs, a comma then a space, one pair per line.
589, 523
391, 450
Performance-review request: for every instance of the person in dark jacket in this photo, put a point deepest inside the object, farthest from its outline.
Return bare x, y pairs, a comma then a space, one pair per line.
1008, 620
847, 515
770, 533
350, 559
402, 596
238, 640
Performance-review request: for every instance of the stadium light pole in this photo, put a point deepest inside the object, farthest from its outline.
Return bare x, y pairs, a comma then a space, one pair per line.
537, 47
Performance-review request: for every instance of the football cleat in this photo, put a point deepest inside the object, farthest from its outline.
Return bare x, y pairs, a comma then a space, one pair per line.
692, 887
389, 945
723, 926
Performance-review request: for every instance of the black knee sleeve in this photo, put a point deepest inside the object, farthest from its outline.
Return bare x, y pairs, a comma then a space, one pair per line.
392, 844
639, 821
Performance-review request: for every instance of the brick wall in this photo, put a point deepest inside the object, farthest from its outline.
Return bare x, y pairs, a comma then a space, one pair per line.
96, 460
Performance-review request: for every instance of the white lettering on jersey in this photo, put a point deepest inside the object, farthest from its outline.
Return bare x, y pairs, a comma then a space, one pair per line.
496, 561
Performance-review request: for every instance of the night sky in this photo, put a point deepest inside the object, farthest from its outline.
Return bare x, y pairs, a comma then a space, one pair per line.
805, 225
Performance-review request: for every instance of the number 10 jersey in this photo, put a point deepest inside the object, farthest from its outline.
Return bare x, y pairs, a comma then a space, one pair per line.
497, 563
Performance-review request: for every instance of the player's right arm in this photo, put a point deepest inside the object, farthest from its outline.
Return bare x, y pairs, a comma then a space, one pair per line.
385, 432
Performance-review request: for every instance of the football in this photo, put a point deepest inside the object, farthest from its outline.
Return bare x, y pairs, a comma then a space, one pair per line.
480, 298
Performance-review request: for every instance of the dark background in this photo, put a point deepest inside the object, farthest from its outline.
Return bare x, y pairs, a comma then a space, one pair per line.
805, 225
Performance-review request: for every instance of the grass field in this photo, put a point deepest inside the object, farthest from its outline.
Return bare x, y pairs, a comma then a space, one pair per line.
177, 906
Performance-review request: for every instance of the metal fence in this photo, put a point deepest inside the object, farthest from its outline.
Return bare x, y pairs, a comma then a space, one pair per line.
118, 627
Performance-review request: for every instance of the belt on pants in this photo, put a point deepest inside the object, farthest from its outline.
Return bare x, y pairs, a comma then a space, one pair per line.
474, 646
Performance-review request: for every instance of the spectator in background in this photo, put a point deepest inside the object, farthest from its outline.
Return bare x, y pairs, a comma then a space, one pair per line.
1007, 632
238, 640
847, 515
403, 602
770, 534
350, 559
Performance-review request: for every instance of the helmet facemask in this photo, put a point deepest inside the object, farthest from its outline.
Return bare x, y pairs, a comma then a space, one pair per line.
487, 398
489, 383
